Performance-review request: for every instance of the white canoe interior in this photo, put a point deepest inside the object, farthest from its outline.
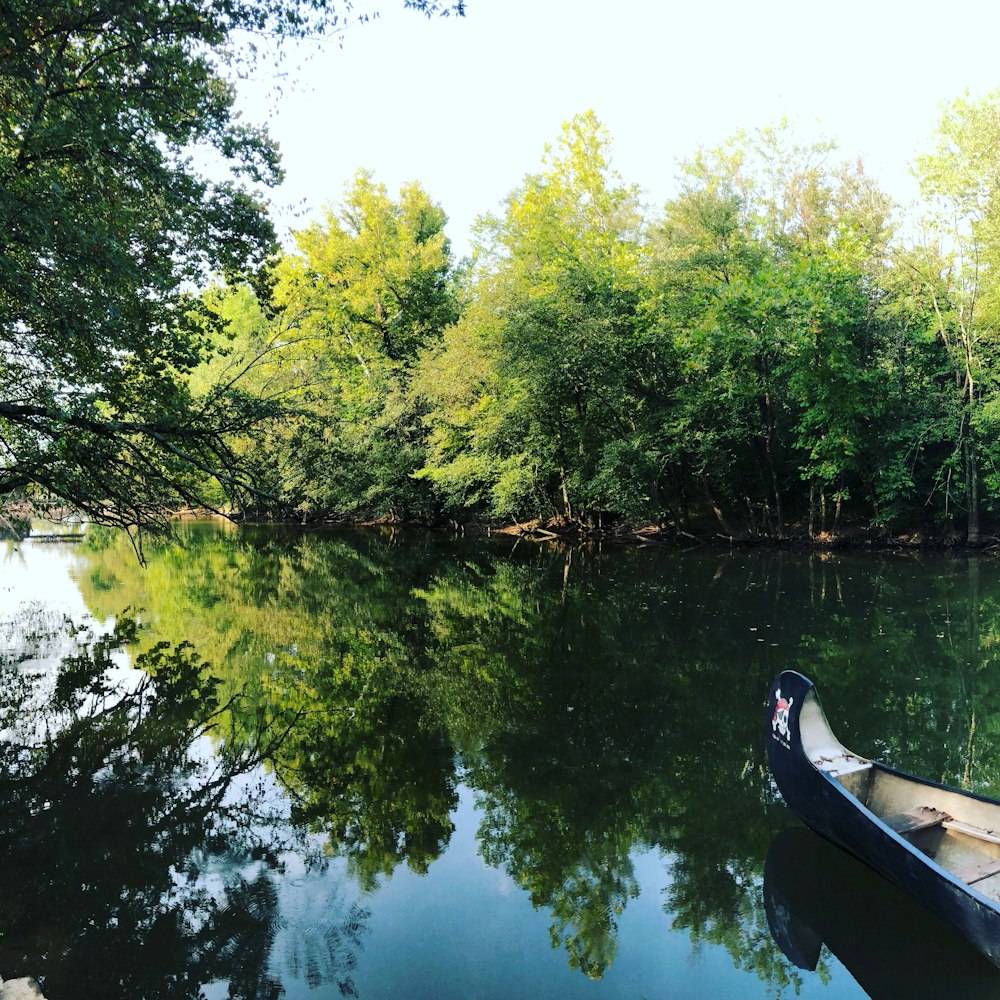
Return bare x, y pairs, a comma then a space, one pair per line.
961, 834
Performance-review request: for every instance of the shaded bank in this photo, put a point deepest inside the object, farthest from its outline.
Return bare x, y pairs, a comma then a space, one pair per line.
616, 530
606, 528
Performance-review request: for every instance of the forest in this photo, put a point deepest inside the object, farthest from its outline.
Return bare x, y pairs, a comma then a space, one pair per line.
778, 352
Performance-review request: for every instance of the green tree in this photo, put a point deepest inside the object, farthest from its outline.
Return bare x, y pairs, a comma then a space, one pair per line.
955, 275
368, 288
910, 449
557, 282
763, 274
106, 224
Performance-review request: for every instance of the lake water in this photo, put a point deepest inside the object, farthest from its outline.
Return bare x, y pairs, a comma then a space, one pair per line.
383, 764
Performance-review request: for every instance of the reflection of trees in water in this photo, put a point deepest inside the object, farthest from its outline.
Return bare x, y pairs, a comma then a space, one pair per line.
320, 935
597, 704
380, 785
609, 742
135, 864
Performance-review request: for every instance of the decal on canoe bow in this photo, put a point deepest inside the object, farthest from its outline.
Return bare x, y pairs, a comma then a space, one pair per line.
779, 721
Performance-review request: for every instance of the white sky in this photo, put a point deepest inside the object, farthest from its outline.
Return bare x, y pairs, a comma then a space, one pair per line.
466, 106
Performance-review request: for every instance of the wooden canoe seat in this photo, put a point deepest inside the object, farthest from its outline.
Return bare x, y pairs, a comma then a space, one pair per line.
836, 761
977, 871
991, 836
917, 818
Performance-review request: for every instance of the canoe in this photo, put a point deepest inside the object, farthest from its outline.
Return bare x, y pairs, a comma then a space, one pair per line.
939, 844
815, 894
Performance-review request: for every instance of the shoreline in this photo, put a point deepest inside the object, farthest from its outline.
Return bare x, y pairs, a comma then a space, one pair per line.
617, 532
561, 532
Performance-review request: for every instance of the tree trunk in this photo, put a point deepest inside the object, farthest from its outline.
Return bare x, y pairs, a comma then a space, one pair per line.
751, 521
716, 509
767, 418
972, 487
567, 507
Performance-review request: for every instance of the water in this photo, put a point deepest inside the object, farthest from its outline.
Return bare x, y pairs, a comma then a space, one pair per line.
438, 768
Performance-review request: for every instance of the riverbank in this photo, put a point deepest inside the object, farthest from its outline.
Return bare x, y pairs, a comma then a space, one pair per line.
615, 531
606, 528
852, 537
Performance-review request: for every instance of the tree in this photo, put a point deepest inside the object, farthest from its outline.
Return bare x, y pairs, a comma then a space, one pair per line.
368, 289
557, 287
955, 274
106, 228
763, 276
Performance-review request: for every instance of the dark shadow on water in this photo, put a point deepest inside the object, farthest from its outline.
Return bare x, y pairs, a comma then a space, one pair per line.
816, 894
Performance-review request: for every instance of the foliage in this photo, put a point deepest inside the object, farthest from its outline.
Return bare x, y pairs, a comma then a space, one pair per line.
556, 292
762, 272
107, 226
766, 356
366, 291
956, 274
766, 352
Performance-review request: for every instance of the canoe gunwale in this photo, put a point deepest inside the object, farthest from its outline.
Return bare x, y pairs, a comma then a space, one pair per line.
899, 839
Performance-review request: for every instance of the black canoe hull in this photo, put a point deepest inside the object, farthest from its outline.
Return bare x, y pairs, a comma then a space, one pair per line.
829, 809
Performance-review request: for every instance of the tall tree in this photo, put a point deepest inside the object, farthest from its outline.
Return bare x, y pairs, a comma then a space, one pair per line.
367, 290
956, 275
558, 277
763, 267
105, 226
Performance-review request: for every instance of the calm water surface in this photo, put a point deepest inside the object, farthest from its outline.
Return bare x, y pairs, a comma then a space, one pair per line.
390, 765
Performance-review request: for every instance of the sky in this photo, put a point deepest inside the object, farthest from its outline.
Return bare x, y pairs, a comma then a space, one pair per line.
466, 105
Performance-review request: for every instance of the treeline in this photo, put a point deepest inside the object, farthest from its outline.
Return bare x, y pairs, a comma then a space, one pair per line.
778, 351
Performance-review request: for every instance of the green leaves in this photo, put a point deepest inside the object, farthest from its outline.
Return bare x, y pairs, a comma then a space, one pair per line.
370, 277
763, 347
367, 291
103, 108
106, 227
552, 316
955, 274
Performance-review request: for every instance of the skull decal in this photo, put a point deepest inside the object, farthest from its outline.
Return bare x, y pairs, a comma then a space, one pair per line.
779, 722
